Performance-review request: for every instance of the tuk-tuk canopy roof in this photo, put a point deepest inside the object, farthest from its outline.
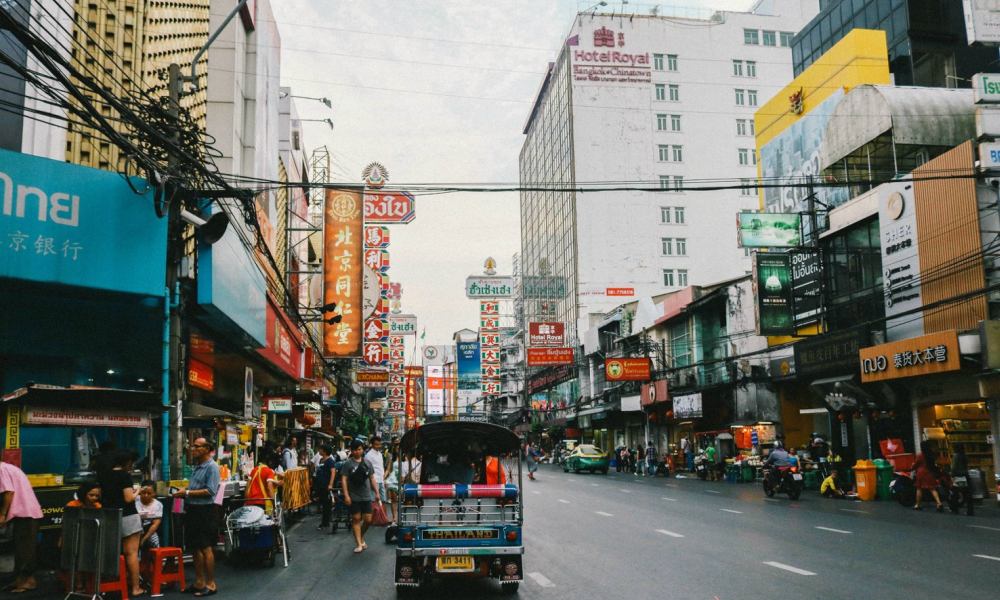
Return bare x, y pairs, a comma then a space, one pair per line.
445, 435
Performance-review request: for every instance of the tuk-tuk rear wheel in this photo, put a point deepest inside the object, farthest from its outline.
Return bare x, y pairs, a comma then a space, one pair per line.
510, 588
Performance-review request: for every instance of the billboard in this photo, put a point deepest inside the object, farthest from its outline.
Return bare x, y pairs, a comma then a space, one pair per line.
897, 217
982, 21
546, 334
687, 406
549, 357
794, 153
434, 390
403, 325
489, 287
468, 359
772, 277
342, 272
768, 230
627, 369
73, 225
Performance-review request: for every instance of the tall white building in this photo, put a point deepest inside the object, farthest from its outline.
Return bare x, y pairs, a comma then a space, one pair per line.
648, 100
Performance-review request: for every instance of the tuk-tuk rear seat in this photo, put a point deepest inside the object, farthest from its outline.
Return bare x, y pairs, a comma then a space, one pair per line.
413, 491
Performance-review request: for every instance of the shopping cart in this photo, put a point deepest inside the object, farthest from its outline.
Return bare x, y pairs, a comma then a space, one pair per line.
341, 514
254, 536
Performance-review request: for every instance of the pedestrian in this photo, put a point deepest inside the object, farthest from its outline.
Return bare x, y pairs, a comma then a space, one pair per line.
374, 458
263, 482
651, 459
392, 480
20, 510
532, 455
358, 481
151, 514
632, 454
640, 456
688, 453
409, 472
960, 479
118, 491
200, 534
710, 453
87, 495
324, 484
925, 478
622, 461
289, 457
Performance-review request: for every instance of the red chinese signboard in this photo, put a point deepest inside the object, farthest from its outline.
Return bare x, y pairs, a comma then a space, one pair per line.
626, 369
546, 334
284, 346
548, 357
376, 353
342, 275
389, 207
201, 375
376, 236
377, 259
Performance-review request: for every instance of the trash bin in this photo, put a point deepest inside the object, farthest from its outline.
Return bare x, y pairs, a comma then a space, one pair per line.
865, 479
884, 476
810, 480
747, 473
977, 484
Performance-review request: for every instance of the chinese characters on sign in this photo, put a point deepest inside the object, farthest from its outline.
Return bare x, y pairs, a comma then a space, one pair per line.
489, 345
342, 275
934, 353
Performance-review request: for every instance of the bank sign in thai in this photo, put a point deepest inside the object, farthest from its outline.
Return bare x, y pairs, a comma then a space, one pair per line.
768, 230
489, 287
772, 277
933, 353
73, 225
626, 369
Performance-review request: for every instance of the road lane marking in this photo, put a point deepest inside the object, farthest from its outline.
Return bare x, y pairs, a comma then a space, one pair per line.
772, 499
541, 580
670, 533
983, 527
713, 491
670, 484
833, 530
987, 556
564, 501
596, 484
627, 491
735, 512
854, 511
671, 499
535, 492
604, 514
779, 565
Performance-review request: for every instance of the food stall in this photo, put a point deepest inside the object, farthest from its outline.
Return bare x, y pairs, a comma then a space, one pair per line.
52, 433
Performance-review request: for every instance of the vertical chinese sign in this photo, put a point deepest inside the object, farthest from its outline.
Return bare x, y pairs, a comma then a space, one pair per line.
489, 346
342, 272
376, 332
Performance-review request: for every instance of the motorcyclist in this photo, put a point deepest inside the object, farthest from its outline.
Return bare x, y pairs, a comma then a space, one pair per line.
819, 452
779, 457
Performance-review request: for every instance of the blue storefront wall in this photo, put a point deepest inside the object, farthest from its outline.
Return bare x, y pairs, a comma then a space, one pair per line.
77, 226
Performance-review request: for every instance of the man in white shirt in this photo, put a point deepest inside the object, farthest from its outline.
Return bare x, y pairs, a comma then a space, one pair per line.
374, 458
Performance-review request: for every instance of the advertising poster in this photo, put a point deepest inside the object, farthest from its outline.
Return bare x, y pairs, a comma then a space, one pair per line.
342, 274
468, 373
769, 230
773, 290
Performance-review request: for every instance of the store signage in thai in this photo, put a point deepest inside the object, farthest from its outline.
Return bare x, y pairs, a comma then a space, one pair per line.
627, 369
201, 375
986, 86
403, 325
829, 353
547, 357
279, 405
389, 207
924, 355
654, 392
342, 273
807, 285
772, 277
897, 216
73, 417
768, 230
546, 334
489, 287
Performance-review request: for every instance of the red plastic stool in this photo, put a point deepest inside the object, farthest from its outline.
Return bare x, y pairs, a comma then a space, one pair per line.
153, 568
120, 586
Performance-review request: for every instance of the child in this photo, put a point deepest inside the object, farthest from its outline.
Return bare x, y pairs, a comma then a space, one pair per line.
151, 513
829, 487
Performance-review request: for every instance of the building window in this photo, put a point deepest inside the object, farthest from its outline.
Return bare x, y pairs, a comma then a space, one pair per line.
661, 122
751, 97
682, 247
668, 277
678, 152
678, 183
664, 152
753, 156
661, 91
744, 155
679, 215
740, 97
770, 38
682, 277
664, 212
675, 93
786, 38
665, 185
752, 132
738, 68
751, 36
746, 252
671, 62
741, 126
668, 246
657, 62
747, 187
675, 122
751, 68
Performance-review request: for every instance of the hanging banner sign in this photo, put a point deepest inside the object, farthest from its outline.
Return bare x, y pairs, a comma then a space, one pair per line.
627, 369
547, 357
342, 274
772, 277
489, 307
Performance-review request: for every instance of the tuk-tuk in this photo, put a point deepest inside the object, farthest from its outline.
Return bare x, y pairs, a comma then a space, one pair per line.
460, 511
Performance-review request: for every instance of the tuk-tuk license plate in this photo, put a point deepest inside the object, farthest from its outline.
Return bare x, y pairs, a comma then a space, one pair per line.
456, 564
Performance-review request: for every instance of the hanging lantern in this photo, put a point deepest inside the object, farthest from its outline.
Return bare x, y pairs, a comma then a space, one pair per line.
670, 414
892, 414
857, 416
874, 415
842, 417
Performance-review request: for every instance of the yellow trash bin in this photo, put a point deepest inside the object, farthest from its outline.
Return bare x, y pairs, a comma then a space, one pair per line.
866, 478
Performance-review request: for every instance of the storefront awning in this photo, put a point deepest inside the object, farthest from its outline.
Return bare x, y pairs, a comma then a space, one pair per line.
200, 411
85, 397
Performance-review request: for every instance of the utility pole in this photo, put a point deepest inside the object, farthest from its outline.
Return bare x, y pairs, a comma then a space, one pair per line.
172, 383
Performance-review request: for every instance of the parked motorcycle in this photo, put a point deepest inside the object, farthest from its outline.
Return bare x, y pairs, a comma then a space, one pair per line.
783, 480
662, 468
701, 466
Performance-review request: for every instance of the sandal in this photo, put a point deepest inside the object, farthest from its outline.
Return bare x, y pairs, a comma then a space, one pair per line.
359, 550
917, 507
191, 589
206, 592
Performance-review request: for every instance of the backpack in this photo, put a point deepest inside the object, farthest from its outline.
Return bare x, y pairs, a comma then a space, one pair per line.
360, 475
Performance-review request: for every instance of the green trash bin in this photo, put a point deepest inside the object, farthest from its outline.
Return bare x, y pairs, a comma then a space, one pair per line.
884, 479
810, 480
747, 473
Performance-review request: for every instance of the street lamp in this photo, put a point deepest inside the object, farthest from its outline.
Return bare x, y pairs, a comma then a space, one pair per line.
325, 101
327, 121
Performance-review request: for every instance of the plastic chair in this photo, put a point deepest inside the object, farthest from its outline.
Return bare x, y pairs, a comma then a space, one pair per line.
154, 561
121, 585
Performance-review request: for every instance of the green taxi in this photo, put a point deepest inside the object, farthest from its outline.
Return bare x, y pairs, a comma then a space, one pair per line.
587, 457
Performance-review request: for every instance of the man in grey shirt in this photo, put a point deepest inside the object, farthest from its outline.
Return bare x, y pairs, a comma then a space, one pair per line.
360, 490
200, 534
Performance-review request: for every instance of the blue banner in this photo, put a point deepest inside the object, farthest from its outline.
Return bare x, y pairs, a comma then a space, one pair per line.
72, 225
468, 372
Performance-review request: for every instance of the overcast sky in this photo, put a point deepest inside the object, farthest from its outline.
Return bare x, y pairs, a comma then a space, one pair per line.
438, 92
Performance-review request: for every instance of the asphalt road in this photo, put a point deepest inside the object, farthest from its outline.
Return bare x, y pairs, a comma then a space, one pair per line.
620, 536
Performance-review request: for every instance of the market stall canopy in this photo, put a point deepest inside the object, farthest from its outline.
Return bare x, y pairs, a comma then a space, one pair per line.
917, 116
80, 397
437, 437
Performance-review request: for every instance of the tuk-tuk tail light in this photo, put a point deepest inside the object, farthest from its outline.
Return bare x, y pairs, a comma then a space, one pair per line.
408, 537
512, 536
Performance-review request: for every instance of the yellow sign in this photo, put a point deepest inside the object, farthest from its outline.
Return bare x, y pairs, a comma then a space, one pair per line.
13, 427
461, 534
934, 353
